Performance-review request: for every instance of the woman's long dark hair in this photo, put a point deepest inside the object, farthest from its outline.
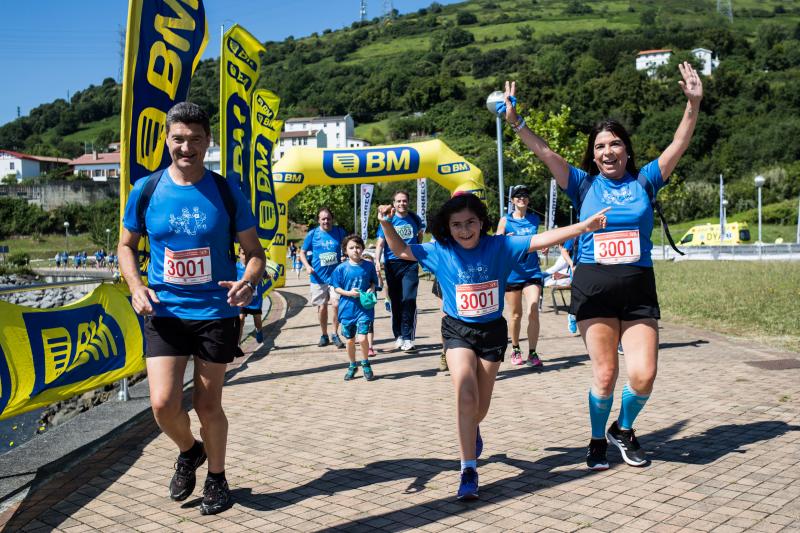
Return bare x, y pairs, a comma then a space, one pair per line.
617, 129
440, 226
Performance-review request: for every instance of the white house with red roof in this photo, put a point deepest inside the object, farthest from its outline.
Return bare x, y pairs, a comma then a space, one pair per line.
98, 165
650, 60
25, 166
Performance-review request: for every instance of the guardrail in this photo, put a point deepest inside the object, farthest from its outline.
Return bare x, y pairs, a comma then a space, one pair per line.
740, 252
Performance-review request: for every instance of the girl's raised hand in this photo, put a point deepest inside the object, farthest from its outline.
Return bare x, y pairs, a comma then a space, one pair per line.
597, 221
510, 104
385, 212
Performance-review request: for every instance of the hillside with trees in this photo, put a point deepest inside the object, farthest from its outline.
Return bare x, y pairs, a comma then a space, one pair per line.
428, 74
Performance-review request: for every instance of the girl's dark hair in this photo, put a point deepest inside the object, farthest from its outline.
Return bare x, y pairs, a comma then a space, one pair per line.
358, 240
617, 129
440, 225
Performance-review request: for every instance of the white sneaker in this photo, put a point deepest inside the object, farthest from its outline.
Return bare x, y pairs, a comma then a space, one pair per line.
407, 346
398, 343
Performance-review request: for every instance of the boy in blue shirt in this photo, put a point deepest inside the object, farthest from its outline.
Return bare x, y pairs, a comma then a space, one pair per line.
254, 307
349, 280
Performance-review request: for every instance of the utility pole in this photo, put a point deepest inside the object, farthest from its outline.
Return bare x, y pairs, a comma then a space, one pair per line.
121, 35
725, 9
363, 11
388, 8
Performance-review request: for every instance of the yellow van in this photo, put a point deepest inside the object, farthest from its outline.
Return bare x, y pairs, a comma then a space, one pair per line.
708, 235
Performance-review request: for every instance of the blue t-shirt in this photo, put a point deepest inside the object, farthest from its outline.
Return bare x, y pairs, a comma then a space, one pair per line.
473, 281
407, 227
188, 230
258, 297
528, 269
327, 252
348, 276
630, 208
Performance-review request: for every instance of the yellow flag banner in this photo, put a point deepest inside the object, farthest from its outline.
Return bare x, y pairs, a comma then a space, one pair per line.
165, 40
239, 71
266, 131
47, 355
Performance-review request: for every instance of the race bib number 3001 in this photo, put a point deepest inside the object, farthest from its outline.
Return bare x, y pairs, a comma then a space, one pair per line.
187, 267
477, 299
616, 247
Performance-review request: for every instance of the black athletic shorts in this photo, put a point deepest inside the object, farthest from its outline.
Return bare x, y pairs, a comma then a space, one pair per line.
247, 311
513, 287
216, 340
488, 340
625, 292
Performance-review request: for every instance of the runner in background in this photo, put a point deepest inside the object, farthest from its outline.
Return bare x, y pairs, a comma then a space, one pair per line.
254, 307
402, 277
472, 267
325, 243
524, 280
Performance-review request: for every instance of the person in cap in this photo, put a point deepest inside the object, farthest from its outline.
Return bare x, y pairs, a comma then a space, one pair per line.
525, 279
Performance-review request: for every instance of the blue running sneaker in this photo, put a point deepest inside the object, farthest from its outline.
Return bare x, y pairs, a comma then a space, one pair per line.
351, 372
369, 375
572, 324
478, 444
259, 337
337, 341
468, 489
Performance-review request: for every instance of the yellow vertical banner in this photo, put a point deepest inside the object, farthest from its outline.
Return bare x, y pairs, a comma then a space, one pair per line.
164, 42
47, 355
266, 131
239, 71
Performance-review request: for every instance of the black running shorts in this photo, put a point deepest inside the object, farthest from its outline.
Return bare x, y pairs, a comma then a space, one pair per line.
513, 287
215, 341
488, 340
625, 292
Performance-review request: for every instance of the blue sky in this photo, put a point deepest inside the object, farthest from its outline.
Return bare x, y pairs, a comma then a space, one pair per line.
49, 48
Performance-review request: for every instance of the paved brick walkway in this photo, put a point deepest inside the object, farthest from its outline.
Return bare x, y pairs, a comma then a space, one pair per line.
309, 452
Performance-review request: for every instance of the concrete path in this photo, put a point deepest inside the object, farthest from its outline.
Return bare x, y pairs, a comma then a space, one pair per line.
309, 452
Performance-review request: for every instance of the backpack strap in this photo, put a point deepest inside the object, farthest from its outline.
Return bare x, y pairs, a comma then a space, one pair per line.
656, 205
230, 207
144, 199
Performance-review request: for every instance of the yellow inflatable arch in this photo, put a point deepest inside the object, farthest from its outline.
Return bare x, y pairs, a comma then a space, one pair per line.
301, 167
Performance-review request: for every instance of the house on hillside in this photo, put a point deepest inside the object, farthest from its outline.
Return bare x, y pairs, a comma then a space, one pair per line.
25, 166
650, 60
320, 132
98, 166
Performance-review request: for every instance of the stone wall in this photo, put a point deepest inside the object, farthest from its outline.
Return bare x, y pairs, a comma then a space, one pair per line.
54, 194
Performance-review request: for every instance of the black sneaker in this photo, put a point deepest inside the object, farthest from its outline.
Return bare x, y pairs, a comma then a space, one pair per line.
625, 440
323, 341
596, 454
216, 497
184, 480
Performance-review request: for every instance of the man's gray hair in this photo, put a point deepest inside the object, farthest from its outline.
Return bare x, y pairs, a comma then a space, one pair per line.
188, 113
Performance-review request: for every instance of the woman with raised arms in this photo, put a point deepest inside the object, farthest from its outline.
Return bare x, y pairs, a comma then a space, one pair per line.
614, 289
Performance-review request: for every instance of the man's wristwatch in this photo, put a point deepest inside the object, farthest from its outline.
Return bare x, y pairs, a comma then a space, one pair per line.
250, 284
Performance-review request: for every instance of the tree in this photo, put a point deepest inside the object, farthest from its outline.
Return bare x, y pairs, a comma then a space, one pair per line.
465, 18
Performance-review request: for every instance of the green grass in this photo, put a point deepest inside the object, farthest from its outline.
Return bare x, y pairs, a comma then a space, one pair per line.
46, 246
751, 299
365, 131
89, 132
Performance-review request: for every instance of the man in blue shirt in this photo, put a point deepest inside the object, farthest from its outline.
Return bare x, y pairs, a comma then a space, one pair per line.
325, 244
402, 277
193, 299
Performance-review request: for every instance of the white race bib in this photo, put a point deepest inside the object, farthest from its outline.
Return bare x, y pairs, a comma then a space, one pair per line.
617, 247
477, 299
328, 259
406, 231
187, 267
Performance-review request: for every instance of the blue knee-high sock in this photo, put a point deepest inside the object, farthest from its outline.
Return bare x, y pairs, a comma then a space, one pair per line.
632, 404
599, 409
